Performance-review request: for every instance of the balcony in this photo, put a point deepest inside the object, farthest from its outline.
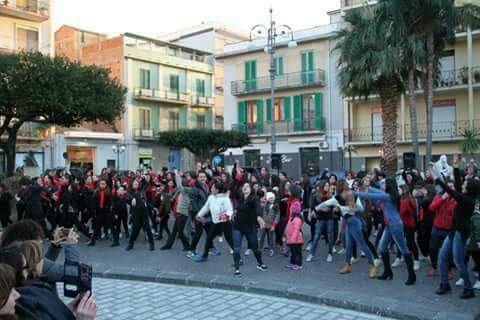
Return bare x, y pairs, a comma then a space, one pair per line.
311, 126
348, 4
456, 78
30, 10
176, 97
199, 101
441, 131
145, 134
315, 78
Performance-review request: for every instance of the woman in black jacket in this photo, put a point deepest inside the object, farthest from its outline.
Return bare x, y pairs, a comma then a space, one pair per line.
33, 203
140, 216
103, 210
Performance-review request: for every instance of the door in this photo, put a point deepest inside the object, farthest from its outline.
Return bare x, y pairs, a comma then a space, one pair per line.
173, 159
447, 69
443, 121
377, 126
308, 73
310, 161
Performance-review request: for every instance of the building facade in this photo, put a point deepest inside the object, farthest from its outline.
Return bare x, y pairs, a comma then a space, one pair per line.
25, 25
170, 87
455, 108
308, 113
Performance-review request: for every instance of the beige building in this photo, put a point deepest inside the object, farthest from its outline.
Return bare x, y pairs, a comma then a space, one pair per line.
25, 25
455, 107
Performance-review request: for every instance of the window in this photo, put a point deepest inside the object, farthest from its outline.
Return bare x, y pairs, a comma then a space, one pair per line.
447, 68
377, 126
174, 82
201, 121
200, 87
144, 79
173, 121
279, 114
278, 66
111, 164
308, 61
308, 111
145, 119
251, 112
172, 52
250, 75
252, 158
27, 39
444, 116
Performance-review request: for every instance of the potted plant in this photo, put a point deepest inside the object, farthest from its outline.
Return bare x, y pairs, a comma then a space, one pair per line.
464, 75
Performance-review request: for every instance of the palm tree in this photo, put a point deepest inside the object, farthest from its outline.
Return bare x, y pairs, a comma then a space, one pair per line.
369, 63
471, 142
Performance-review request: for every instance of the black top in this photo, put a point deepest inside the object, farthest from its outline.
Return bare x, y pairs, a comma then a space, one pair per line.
5, 199
245, 219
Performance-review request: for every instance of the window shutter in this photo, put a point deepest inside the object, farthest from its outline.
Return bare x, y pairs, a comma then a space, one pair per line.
287, 108
259, 116
183, 119
318, 111
208, 119
297, 113
311, 62
242, 115
269, 109
280, 66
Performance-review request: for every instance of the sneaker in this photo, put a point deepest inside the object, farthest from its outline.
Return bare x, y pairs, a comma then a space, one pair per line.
476, 286
397, 263
460, 282
416, 265
271, 253
309, 247
334, 250
362, 254
220, 239
262, 267
289, 266
431, 272
423, 258
296, 267
341, 251
190, 254
231, 251
198, 258
215, 252
248, 252
309, 258
377, 262
353, 260
329, 258
237, 273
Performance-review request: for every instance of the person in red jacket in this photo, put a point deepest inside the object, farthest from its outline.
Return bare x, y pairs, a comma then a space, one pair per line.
407, 213
443, 206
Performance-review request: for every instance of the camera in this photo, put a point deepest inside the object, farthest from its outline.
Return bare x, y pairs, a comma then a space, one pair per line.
77, 279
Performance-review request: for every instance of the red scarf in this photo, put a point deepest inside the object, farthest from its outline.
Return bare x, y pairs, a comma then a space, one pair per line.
102, 198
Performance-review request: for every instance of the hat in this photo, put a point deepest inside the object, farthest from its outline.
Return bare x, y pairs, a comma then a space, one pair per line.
270, 196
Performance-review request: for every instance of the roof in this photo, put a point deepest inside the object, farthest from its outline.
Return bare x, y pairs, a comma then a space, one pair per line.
300, 36
83, 30
202, 28
164, 43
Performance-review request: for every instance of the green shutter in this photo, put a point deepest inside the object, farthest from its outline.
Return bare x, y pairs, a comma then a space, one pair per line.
242, 115
259, 116
287, 108
208, 119
297, 113
174, 82
183, 119
250, 75
269, 109
280, 66
304, 67
318, 112
310, 61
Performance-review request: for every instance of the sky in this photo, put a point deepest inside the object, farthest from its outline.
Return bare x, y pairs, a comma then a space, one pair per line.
155, 17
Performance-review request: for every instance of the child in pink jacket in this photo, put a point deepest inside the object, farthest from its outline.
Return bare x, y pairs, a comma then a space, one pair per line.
293, 233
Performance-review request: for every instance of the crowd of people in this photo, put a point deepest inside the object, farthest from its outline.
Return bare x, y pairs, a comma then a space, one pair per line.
432, 216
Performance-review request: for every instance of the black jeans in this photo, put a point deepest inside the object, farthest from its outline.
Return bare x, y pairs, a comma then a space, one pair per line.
101, 220
178, 228
252, 245
141, 222
279, 230
218, 229
296, 254
197, 234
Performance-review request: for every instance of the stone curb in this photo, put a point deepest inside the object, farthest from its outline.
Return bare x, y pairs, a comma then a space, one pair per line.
380, 306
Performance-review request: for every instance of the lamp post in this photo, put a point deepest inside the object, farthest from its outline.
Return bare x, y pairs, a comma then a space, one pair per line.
118, 149
272, 33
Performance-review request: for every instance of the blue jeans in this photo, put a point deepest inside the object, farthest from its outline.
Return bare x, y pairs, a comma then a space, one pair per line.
319, 229
354, 231
395, 232
457, 247
252, 245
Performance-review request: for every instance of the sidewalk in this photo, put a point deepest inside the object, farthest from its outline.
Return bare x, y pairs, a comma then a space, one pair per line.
319, 282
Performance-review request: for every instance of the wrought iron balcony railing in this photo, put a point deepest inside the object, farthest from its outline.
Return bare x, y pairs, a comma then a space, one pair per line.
282, 127
287, 81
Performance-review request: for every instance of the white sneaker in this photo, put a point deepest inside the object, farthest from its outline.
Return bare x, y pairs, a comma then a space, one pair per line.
476, 286
248, 252
334, 250
416, 265
341, 251
460, 282
423, 258
329, 258
353, 260
220, 239
397, 263
362, 254
377, 262
309, 258
231, 251
309, 247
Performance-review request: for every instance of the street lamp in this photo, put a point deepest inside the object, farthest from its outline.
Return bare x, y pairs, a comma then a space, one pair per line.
118, 149
272, 33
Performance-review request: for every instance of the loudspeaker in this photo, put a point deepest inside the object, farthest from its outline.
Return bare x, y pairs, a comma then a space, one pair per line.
409, 160
276, 161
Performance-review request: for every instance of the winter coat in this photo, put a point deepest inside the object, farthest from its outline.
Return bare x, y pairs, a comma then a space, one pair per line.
219, 206
293, 232
407, 212
443, 210
271, 215
246, 216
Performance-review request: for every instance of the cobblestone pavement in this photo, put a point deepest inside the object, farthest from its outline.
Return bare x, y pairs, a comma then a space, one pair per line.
123, 299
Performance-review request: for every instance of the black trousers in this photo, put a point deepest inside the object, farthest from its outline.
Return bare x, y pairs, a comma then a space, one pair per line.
411, 243
118, 220
5, 219
178, 228
164, 226
102, 219
141, 222
218, 229
279, 230
197, 233
296, 254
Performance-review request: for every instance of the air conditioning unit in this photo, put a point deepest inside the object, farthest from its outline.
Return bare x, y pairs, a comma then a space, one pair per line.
324, 145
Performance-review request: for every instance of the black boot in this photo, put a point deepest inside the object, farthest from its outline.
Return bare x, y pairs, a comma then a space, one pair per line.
129, 247
444, 288
412, 278
387, 268
115, 244
151, 246
467, 294
91, 243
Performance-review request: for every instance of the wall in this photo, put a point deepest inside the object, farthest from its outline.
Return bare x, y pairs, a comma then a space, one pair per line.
8, 33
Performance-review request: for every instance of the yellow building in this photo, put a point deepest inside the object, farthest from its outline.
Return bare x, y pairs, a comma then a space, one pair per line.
25, 25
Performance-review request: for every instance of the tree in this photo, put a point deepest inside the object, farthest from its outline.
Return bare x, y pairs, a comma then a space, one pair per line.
370, 63
470, 143
204, 143
52, 91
